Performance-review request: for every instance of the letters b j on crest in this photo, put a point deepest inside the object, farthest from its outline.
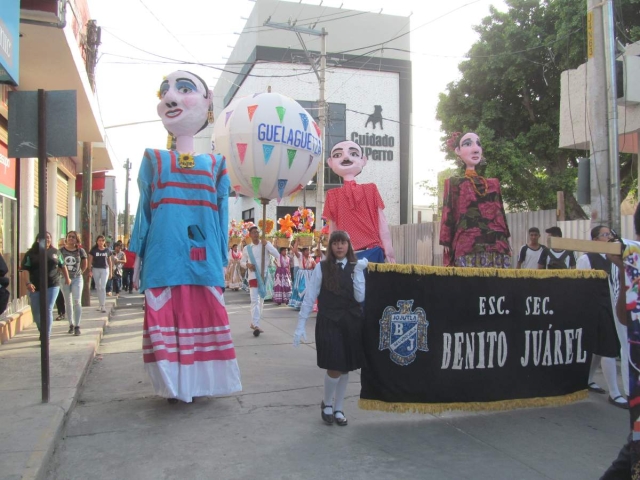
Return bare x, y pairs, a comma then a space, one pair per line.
403, 331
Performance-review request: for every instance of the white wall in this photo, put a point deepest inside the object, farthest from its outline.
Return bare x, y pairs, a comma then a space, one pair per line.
360, 93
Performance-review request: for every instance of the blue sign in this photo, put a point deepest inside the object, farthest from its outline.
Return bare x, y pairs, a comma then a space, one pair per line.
9, 42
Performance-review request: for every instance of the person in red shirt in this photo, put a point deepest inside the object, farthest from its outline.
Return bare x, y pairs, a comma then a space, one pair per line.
357, 209
127, 270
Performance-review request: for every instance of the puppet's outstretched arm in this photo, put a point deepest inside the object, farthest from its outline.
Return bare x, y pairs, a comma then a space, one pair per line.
385, 237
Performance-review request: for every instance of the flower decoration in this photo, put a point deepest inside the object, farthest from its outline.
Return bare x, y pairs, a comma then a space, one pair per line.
303, 220
268, 228
283, 234
186, 160
236, 229
158, 94
286, 224
325, 228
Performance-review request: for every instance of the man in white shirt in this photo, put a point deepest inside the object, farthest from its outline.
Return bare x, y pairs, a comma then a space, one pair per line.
596, 261
530, 252
252, 260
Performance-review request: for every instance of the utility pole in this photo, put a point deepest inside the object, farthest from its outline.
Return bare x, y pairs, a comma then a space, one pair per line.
602, 114
127, 166
322, 105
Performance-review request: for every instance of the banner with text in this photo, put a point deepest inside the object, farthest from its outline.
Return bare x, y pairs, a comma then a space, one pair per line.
440, 338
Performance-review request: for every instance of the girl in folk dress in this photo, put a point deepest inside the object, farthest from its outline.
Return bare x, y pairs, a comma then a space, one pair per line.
233, 278
338, 284
307, 264
282, 285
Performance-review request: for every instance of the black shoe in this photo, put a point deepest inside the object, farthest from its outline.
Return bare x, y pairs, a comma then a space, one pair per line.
327, 418
70, 329
624, 404
172, 401
340, 421
594, 387
76, 331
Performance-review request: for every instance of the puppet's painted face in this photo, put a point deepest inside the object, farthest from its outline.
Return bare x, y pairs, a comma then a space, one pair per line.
470, 150
347, 160
184, 104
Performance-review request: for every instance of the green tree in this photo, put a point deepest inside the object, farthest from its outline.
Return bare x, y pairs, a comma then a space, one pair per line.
509, 94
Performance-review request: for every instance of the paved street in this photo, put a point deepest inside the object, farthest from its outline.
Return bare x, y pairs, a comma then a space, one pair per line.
120, 430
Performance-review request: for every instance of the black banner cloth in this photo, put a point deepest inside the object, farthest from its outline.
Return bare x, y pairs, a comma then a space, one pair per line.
442, 338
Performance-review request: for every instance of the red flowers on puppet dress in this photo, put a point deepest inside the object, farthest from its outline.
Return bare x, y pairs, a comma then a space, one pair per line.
473, 222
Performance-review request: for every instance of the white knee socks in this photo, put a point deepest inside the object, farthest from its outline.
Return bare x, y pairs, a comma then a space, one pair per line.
610, 376
330, 385
595, 361
341, 390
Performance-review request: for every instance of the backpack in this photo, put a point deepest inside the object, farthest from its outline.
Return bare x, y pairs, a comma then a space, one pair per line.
559, 262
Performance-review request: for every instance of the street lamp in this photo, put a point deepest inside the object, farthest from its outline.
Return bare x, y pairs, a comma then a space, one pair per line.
127, 167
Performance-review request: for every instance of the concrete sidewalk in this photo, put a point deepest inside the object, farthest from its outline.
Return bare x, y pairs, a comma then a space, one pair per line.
30, 428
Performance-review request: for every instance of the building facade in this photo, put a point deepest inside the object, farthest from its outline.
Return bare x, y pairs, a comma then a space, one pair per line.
57, 46
368, 93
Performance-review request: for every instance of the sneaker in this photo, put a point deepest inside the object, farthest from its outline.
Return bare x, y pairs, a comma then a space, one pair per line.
103, 309
70, 329
76, 331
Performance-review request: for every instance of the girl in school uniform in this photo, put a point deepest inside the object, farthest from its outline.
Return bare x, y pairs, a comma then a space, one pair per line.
338, 284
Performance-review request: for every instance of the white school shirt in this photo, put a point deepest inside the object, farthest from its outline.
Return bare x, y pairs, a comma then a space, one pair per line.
257, 254
315, 283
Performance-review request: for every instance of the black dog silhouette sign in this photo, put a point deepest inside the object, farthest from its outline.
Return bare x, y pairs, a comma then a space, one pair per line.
375, 117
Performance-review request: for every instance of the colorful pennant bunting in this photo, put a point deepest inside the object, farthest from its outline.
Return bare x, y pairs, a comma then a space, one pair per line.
267, 150
281, 111
255, 183
305, 120
291, 153
252, 109
282, 183
242, 150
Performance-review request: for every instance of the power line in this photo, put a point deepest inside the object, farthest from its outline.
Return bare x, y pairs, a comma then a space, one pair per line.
169, 31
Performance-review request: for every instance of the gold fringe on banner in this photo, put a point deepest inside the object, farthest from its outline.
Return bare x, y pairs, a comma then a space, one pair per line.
485, 272
434, 408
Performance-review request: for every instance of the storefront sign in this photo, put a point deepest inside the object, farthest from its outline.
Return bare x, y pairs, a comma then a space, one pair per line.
9, 41
7, 173
375, 147
449, 338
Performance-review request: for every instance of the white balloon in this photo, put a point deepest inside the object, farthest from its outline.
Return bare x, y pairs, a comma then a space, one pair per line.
272, 145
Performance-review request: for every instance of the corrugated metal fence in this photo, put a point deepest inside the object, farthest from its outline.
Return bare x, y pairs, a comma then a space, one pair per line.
418, 243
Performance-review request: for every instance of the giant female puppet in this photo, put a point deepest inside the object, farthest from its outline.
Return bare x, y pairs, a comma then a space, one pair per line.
357, 209
473, 229
180, 238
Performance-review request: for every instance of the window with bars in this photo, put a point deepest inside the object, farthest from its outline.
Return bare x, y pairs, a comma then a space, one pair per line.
249, 215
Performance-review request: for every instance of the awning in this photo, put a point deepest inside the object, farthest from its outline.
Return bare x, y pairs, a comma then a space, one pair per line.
50, 59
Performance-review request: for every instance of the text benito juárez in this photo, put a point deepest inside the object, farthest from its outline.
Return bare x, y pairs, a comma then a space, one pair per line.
545, 347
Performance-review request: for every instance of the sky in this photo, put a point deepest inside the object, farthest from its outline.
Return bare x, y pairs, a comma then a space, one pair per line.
137, 33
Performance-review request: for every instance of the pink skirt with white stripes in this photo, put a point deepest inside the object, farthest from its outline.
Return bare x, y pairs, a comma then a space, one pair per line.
186, 343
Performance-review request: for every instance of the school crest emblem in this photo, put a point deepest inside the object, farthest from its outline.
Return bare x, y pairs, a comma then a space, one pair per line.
403, 332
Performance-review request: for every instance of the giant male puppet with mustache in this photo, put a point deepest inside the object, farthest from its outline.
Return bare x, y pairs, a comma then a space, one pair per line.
357, 209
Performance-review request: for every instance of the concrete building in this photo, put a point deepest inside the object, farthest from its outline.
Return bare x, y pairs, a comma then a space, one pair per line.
56, 52
368, 91
574, 128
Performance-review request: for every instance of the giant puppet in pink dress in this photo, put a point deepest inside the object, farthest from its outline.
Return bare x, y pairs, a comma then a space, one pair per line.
357, 209
180, 238
473, 230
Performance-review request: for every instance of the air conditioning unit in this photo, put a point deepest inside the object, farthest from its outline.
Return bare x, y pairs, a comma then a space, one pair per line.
628, 80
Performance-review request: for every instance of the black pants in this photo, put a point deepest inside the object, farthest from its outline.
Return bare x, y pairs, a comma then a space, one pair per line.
127, 279
60, 303
620, 469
